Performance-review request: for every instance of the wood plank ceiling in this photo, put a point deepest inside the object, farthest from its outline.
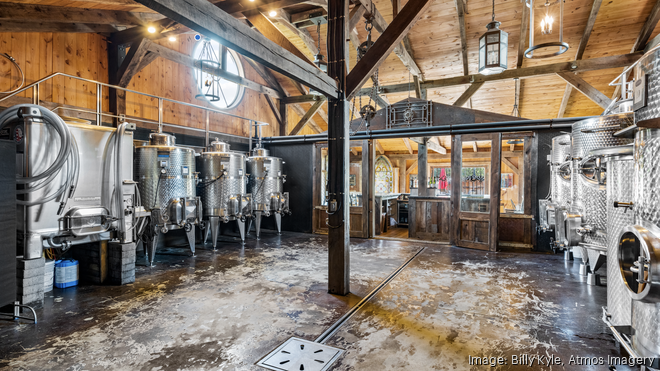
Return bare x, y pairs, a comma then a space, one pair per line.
435, 45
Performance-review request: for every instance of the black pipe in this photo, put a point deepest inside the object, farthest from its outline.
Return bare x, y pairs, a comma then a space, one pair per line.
471, 128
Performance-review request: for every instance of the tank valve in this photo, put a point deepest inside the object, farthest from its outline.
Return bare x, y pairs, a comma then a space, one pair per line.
625, 205
583, 230
164, 229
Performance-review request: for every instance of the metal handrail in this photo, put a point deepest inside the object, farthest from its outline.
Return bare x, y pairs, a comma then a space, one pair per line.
99, 112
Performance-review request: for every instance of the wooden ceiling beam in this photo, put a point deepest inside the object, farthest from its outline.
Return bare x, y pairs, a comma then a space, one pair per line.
237, 7
284, 18
379, 146
188, 61
380, 24
643, 37
564, 100
19, 26
584, 65
406, 142
307, 117
461, 28
412, 167
469, 92
132, 62
164, 28
274, 108
475, 146
647, 29
588, 28
524, 28
434, 144
207, 19
60, 14
585, 88
385, 44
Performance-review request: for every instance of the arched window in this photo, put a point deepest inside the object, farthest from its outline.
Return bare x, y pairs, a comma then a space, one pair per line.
230, 93
384, 176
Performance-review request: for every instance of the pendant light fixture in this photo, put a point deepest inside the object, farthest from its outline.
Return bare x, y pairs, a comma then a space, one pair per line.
548, 12
493, 48
319, 57
208, 84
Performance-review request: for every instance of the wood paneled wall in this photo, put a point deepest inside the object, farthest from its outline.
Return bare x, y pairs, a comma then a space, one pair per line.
41, 54
85, 55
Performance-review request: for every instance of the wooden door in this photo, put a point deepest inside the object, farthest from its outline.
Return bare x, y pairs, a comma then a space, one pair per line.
475, 193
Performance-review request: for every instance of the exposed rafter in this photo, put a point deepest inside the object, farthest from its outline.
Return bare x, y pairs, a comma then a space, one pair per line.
380, 24
469, 92
580, 51
585, 88
207, 19
385, 44
307, 117
53, 14
406, 142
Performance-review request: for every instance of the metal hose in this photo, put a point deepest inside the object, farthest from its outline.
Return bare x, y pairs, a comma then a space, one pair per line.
67, 156
119, 194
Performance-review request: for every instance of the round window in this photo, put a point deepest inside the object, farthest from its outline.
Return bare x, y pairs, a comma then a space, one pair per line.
229, 93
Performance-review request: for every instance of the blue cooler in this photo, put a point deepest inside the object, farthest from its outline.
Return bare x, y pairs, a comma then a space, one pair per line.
66, 273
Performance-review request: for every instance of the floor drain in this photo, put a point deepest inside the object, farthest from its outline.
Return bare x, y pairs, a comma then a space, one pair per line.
298, 354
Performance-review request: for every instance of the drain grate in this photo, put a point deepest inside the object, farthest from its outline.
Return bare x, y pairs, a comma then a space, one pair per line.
298, 354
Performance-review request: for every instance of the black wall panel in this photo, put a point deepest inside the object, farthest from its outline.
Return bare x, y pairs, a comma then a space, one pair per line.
8, 224
543, 180
299, 170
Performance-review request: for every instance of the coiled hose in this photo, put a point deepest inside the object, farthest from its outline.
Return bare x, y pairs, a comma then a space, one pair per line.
67, 162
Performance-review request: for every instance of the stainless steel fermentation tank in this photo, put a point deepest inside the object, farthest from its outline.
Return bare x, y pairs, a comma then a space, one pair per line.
585, 222
620, 166
167, 181
222, 188
266, 184
560, 186
638, 250
71, 190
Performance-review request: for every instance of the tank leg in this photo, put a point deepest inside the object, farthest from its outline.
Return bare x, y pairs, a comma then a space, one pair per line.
150, 247
241, 230
214, 226
249, 226
278, 222
257, 223
584, 269
205, 232
190, 233
568, 255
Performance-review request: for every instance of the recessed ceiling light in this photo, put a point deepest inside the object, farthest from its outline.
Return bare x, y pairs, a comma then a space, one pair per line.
272, 13
151, 29
172, 39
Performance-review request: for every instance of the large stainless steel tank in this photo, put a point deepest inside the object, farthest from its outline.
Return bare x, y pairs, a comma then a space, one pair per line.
550, 210
620, 172
167, 182
586, 223
638, 254
266, 184
222, 188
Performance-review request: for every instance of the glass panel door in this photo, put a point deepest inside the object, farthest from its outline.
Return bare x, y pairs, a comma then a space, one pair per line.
476, 168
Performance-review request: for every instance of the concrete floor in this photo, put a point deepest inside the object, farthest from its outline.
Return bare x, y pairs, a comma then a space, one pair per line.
226, 310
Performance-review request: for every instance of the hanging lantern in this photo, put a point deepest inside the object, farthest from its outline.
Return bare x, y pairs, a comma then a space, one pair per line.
493, 48
548, 11
319, 58
205, 66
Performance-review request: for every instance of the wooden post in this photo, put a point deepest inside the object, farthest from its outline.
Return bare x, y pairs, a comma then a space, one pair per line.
338, 151
366, 188
456, 167
284, 115
402, 175
422, 171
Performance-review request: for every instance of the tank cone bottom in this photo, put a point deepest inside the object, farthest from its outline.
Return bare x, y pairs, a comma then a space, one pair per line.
278, 222
593, 279
241, 230
568, 255
584, 270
